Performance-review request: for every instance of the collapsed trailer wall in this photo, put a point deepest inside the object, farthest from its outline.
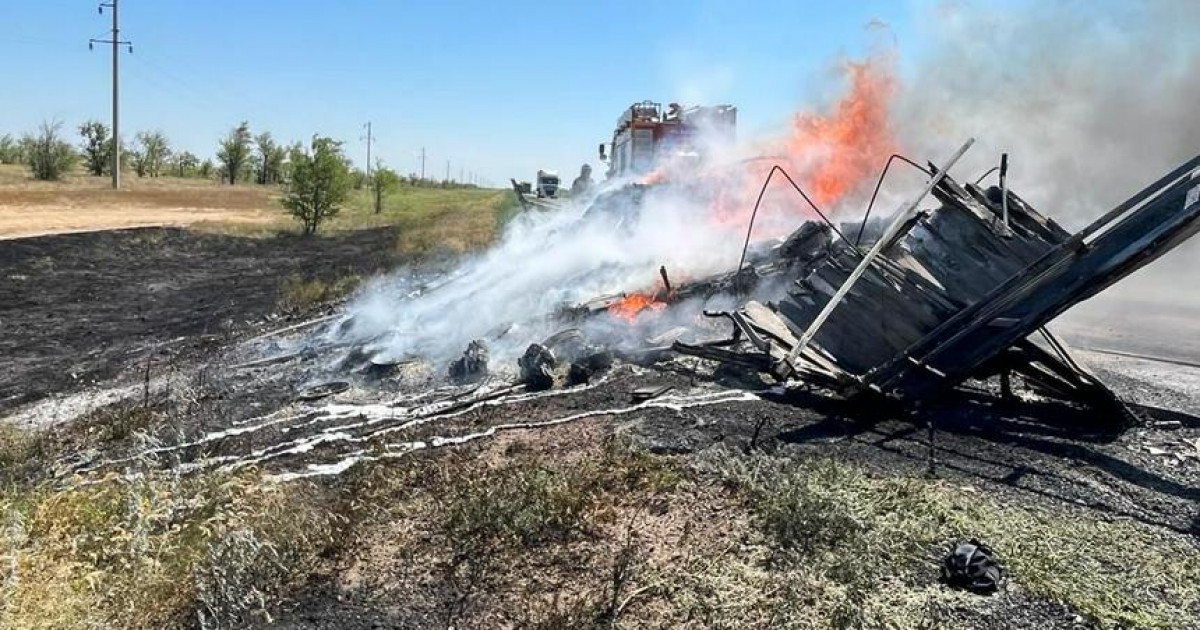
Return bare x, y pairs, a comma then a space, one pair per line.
941, 263
959, 286
1168, 215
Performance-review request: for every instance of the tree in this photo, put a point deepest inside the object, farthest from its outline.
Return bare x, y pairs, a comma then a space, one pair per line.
150, 153
97, 147
234, 152
320, 182
268, 163
206, 169
186, 164
46, 153
10, 150
383, 181
358, 179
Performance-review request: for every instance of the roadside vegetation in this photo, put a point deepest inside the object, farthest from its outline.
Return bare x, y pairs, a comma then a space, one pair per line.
299, 295
249, 188
156, 551
563, 528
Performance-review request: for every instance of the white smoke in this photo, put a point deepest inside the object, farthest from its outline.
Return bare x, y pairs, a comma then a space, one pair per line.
544, 261
1092, 100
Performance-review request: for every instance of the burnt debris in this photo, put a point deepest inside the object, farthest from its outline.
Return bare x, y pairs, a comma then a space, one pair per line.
537, 367
960, 291
472, 365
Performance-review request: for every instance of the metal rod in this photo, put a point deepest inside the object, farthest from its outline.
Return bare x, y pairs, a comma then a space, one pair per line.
1004, 185
901, 218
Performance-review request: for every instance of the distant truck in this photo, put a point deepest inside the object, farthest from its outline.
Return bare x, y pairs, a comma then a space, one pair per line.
547, 184
645, 133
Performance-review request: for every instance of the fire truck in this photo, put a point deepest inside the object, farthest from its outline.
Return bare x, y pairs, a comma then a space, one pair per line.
645, 133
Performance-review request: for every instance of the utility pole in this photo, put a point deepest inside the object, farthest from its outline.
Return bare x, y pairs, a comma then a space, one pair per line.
460, 175
447, 170
422, 163
116, 86
368, 126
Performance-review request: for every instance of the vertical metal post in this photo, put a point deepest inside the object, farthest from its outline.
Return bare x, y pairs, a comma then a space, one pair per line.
116, 97
1004, 186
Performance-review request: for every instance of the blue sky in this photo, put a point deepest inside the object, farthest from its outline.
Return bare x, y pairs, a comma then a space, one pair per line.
499, 88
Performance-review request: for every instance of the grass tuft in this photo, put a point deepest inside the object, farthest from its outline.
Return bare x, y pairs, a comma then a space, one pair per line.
298, 294
155, 551
521, 505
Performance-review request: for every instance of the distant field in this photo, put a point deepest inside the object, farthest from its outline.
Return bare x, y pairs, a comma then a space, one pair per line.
426, 218
82, 203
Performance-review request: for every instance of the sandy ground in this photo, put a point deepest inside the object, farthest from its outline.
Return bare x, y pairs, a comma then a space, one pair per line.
83, 204
20, 222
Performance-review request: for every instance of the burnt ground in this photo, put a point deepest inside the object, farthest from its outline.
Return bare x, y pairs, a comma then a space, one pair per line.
82, 311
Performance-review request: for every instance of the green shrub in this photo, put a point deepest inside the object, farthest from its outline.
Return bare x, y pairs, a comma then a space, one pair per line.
518, 506
49, 157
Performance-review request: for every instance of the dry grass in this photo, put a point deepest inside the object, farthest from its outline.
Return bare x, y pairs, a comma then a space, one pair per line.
517, 537
550, 530
299, 294
858, 550
155, 551
434, 220
82, 202
619, 538
428, 220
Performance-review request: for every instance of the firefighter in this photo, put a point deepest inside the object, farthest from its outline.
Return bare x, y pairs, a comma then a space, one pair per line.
583, 183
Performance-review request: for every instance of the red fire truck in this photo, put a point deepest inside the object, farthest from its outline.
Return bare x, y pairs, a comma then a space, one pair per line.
645, 134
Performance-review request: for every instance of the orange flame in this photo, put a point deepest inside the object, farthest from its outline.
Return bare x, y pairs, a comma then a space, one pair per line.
628, 307
835, 154
829, 155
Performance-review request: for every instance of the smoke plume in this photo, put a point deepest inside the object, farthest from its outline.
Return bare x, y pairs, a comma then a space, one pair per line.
1091, 100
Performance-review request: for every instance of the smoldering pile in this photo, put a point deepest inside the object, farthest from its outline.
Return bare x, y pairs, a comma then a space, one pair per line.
939, 296
569, 342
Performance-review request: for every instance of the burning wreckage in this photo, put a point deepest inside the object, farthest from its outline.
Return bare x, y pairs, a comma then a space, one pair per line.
901, 312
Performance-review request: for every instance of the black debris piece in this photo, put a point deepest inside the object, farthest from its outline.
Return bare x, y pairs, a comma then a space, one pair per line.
537, 367
971, 567
317, 392
811, 240
583, 369
473, 365
649, 392
567, 345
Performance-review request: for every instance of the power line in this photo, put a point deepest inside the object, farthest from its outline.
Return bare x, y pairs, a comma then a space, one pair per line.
116, 42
